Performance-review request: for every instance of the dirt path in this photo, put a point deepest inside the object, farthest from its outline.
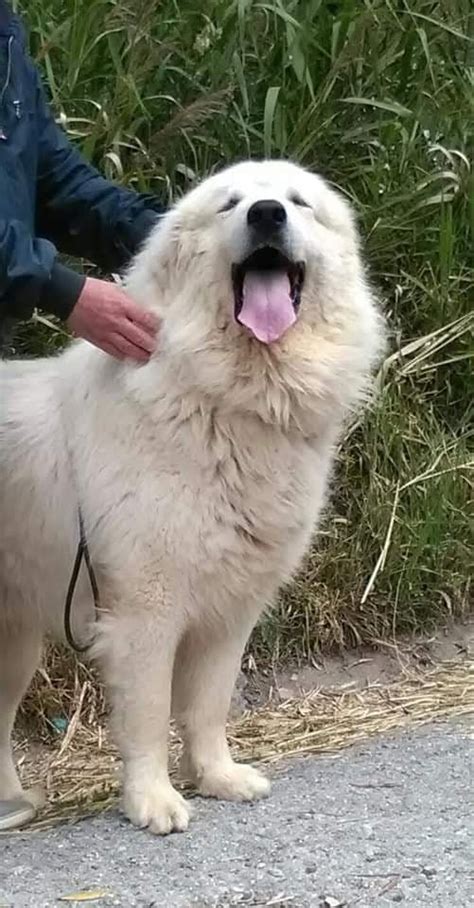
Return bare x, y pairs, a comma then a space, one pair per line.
385, 823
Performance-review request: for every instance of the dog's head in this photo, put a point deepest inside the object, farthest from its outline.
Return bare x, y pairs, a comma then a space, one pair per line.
257, 277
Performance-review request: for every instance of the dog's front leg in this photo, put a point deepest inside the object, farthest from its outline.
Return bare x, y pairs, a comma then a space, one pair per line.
206, 667
136, 649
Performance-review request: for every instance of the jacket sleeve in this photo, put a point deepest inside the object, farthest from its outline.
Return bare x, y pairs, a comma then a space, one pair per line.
31, 276
82, 213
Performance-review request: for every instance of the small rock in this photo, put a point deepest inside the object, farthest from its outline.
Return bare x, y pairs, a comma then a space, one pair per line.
59, 724
330, 902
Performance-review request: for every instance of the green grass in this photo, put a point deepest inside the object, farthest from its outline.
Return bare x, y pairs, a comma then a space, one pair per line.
379, 97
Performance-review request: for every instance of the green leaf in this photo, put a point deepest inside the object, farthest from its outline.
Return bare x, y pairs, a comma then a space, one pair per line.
239, 72
392, 106
271, 101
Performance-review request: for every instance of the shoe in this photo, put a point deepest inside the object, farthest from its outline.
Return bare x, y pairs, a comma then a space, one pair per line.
15, 813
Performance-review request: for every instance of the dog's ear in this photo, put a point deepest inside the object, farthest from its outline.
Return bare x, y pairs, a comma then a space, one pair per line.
150, 272
338, 214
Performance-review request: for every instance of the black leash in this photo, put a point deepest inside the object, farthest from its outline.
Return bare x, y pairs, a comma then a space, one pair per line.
82, 552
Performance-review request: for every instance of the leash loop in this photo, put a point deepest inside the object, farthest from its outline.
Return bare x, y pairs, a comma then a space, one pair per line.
82, 552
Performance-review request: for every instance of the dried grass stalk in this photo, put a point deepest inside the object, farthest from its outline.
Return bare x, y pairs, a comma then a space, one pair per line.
81, 775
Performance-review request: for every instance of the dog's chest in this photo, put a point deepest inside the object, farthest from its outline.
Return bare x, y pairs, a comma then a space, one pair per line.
247, 502
225, 507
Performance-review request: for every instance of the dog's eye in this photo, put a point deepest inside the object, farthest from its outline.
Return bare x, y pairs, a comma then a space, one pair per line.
297, 200
231, 203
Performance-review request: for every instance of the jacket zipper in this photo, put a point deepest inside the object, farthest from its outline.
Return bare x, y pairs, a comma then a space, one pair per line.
3, 135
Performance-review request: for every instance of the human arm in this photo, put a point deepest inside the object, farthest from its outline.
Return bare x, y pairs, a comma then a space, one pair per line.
80, 211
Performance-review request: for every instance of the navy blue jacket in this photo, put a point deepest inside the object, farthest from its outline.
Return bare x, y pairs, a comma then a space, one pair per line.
51, 198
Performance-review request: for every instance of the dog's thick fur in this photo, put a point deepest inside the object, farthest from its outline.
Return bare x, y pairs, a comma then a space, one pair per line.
200, 475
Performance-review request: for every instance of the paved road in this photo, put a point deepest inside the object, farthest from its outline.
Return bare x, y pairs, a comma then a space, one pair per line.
390, 822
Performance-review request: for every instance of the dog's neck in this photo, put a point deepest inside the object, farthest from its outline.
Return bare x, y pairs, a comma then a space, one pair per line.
291, 396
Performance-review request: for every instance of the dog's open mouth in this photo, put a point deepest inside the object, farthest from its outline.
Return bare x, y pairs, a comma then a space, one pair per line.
267, 293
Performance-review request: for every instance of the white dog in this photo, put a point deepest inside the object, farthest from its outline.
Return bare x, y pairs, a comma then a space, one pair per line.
200, 475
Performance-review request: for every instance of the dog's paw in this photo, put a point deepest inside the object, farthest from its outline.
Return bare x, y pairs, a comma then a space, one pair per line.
234, 782
160, 808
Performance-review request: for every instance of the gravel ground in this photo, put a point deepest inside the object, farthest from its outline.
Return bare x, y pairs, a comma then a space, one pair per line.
385, 823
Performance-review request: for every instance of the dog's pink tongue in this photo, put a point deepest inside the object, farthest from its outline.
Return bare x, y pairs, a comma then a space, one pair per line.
267, 310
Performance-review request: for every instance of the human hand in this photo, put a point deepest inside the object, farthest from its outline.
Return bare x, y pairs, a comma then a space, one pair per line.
105, 316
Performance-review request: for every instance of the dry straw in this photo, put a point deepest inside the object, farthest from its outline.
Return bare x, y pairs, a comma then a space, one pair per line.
81, 775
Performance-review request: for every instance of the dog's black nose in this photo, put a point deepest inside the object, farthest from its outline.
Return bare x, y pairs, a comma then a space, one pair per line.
266, 216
